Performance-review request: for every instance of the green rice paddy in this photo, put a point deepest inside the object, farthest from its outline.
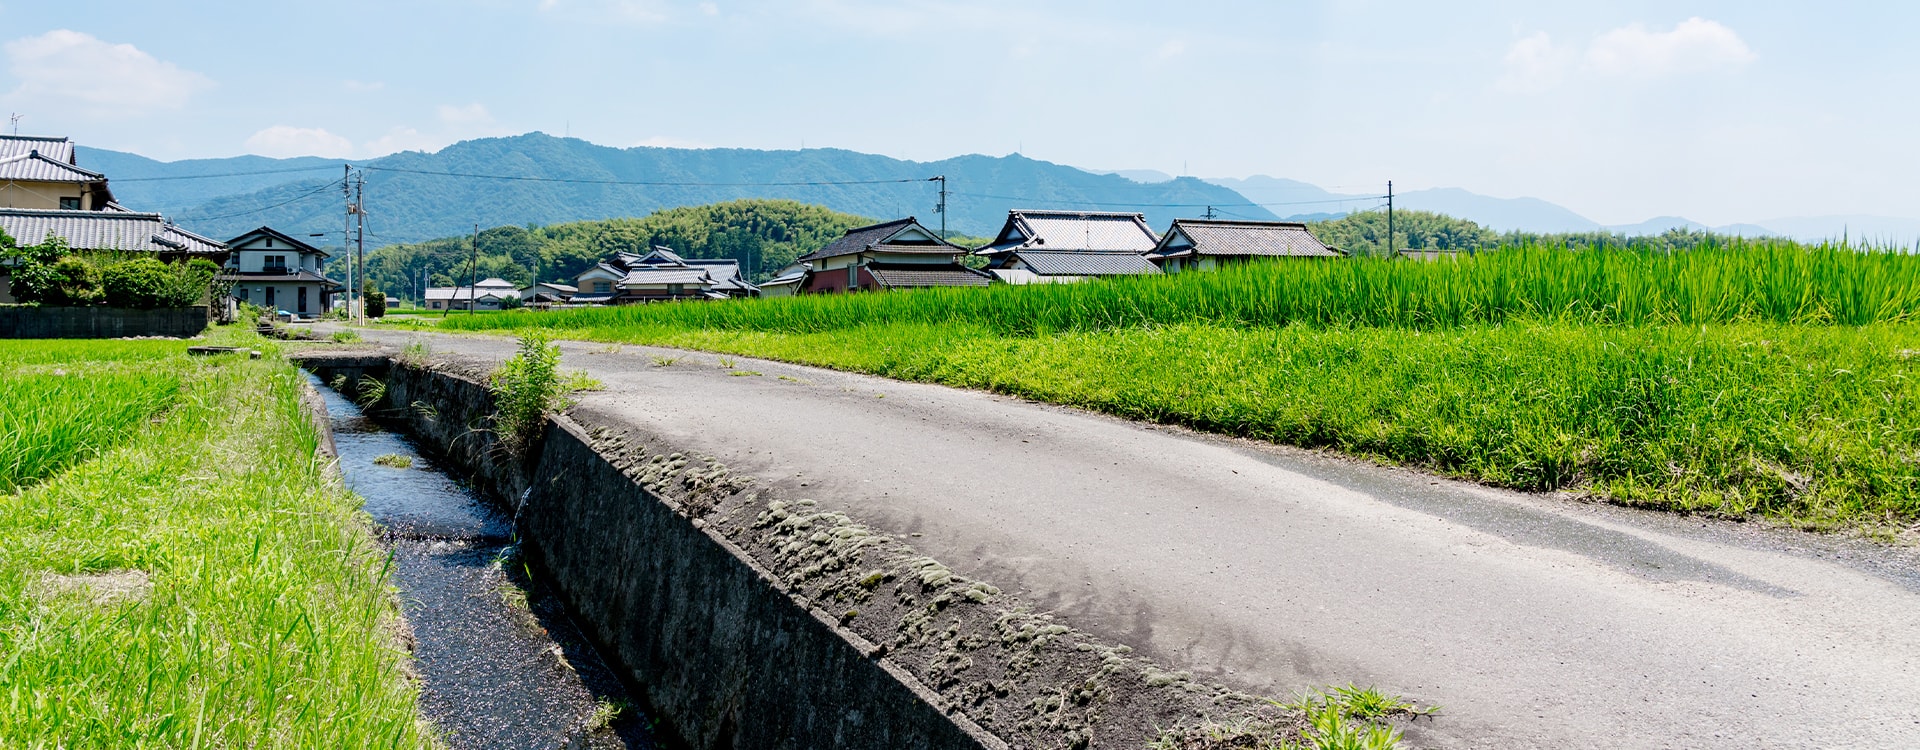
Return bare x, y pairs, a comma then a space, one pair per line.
178, 570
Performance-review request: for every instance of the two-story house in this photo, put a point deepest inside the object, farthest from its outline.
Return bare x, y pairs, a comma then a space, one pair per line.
660, 276
1047, 247
278, 272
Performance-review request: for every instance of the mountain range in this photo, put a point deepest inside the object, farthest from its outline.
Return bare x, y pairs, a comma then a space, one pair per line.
538, 179
1294, 199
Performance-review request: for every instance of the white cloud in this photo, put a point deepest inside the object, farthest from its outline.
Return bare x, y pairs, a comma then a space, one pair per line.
76, 72
1534, 64
285, 140
1695, 45
471, 114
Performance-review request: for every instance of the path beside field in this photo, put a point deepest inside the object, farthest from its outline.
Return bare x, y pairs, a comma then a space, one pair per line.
1535, 621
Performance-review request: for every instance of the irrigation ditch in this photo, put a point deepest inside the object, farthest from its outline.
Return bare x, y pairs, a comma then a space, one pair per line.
736, 617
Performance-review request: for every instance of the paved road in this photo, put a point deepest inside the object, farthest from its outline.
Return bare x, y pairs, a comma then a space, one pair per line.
1535, 621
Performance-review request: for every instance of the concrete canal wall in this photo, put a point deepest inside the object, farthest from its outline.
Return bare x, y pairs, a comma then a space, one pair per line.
726, 652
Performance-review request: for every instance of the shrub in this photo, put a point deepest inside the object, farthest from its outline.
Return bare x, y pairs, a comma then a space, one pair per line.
376, 303
74, 282
140, 283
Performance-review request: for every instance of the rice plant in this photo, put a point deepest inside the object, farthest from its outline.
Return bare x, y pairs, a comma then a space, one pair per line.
1743, 281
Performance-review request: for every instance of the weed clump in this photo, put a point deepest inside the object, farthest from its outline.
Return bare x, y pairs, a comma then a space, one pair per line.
526, 388
394, 461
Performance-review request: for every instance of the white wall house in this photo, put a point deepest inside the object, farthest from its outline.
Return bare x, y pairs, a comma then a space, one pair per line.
277, 272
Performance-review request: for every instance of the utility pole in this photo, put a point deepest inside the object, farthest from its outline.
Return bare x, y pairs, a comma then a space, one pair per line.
1389, 218
1209, 213
941, 207
360, 240
473, 271
346, 231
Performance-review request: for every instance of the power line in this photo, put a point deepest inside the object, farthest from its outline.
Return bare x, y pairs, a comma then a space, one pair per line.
646, 183
1355, 199
321, 189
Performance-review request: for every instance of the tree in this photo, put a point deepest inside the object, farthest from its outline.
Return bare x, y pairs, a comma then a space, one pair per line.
376, 302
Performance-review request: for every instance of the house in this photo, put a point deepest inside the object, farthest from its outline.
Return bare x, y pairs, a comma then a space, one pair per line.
490, 294
42, 173
1207, 244
548, 293
44, 193
899, 254
1043, 247
787, 282
277, 272
660, 276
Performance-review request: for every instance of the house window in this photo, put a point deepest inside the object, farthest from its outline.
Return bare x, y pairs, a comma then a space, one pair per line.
269, 296
276, 263
245, 294
70, 204
269, 242
602, 287
676, 289
853, 277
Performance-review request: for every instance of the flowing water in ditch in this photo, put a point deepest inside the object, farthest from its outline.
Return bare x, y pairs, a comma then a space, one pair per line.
500, 664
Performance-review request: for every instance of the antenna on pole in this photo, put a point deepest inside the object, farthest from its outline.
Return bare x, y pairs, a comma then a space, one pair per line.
941, 207
16, 122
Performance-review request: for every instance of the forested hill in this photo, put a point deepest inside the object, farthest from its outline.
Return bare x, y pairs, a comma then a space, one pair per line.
764, 235
415, 196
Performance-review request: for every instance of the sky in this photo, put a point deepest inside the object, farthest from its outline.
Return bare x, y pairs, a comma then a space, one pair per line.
1722, 112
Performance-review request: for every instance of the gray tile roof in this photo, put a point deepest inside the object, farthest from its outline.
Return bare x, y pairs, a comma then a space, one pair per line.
1276, 239
104, 230
669, 275
912, 275
58, 149
463, 292
1074, 230
874, 237
1075, 263
34, 166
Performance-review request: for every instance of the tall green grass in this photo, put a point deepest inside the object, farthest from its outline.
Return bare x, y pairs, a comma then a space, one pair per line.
1747, 281
94, 399
268, 622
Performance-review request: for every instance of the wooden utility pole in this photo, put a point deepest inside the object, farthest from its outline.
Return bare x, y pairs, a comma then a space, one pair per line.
346, 229
360, 240
1389, 218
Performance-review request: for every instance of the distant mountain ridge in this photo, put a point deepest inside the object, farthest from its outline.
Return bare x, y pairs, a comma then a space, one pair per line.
414, 196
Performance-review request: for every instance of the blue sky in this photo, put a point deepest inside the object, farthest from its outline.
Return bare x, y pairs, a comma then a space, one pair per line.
1718, 111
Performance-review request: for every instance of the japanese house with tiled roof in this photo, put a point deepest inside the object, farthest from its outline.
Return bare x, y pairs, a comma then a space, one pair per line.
492, 293
1206, 244
660, 276
898, 254
1040, 247
278, 272
44, 193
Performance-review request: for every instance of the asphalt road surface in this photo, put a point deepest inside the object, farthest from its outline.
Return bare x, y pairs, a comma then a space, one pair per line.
1534, 621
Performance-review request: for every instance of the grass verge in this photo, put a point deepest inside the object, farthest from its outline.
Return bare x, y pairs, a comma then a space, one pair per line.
199, 584
1810, 425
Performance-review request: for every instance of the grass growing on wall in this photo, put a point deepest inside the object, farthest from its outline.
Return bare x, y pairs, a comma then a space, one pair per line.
198, 584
